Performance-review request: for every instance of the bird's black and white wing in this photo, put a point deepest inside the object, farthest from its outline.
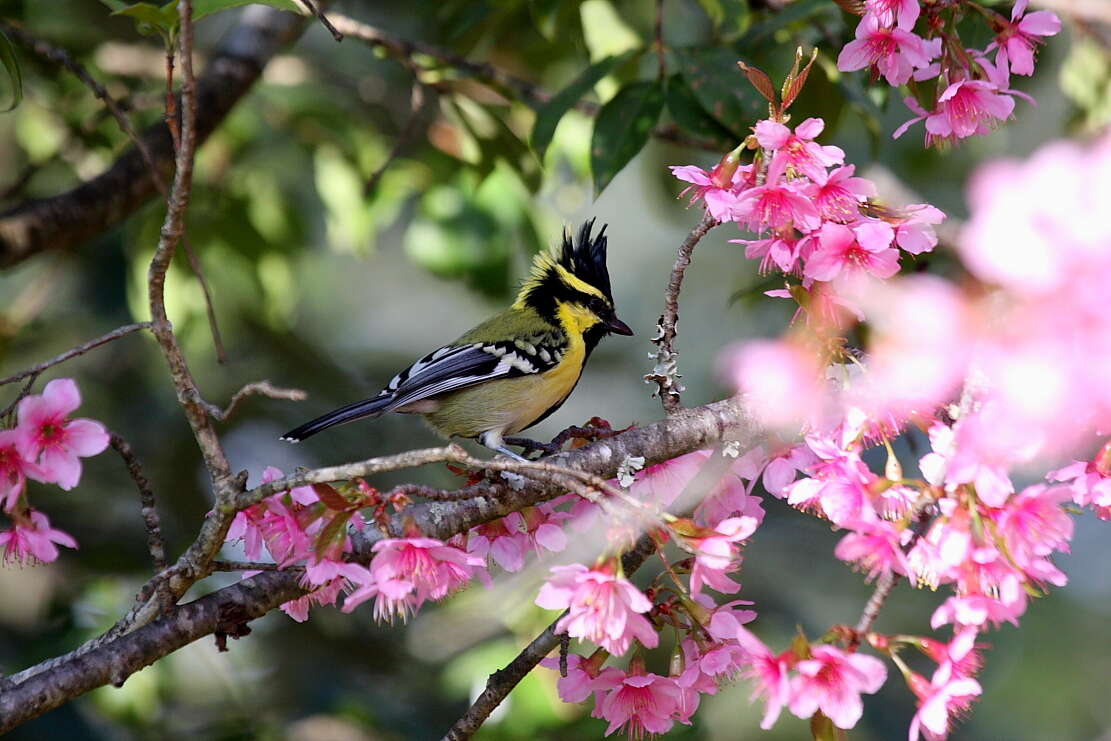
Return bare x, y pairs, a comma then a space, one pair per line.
450, 368
457, 367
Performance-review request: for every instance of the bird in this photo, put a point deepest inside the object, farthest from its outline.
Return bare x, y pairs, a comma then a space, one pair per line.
516, 368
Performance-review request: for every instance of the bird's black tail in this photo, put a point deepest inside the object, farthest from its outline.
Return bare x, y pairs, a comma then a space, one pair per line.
350, 412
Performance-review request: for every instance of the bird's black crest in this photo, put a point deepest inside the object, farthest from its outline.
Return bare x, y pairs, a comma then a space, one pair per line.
585, 256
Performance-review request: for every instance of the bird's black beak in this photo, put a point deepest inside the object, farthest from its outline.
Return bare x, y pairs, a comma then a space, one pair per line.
615, 325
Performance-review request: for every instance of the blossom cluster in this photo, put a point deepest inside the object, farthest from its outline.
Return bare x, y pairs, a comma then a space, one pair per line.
973, 92
815, 217
47, 446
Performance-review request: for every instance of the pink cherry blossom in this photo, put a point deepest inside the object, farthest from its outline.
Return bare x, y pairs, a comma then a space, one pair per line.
798, 150
965, 108
1033, 524
716, 554
865, 247
781, 469
14, 470
662, 483
327, 594
582, 677
699, 671
781, 379
839, 483
48, 437
944, 696
903, 13
732, 496
1088, 485
779, 250
720, 197
769, 672
895, 52
641, 704
776, 205
602, 607
1019, 39
839, 194
832, 681
875, 546
410, 571
960, 657
32, 539
914, 231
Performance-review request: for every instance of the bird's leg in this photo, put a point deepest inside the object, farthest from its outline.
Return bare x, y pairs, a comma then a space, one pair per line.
492, 439
530, 445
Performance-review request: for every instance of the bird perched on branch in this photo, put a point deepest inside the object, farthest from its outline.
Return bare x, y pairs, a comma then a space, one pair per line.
514, 369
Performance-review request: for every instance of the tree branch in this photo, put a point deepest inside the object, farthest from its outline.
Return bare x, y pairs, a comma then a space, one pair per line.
68, 219
258, 388
527, 92
146, 499
665, 374
502, 682
74, 352
55, 681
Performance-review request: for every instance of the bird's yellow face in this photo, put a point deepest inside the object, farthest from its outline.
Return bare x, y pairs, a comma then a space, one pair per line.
560, 294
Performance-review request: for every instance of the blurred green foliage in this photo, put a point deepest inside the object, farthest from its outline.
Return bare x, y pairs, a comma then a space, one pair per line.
322, 283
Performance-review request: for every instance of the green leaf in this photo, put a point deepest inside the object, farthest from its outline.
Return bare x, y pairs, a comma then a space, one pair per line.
201, 8
720, 87
726, 15
163, 18
115, 5
622, 128
11, 66
549, 114
691, 117
796, 11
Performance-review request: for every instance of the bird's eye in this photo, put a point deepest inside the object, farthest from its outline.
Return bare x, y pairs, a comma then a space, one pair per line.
596, 305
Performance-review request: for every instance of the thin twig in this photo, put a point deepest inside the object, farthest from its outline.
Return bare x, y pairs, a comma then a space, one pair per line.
408, 129
502, 682
872, 608
527, 92
258, 388
665, 374
74, 352
315, 10
660, 39
155, 543
920, 513
210, 308
21, 396
20, 182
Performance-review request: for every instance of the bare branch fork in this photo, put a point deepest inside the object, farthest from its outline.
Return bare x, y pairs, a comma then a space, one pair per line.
665, 373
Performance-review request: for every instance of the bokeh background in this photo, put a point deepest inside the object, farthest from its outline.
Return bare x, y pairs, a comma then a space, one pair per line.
322, 287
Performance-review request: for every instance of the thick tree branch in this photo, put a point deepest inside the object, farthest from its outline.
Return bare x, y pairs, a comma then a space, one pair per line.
665, 374
54, 682
66, 220
220, 612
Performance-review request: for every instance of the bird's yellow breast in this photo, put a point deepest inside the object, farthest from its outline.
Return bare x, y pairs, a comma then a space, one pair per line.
513, 404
